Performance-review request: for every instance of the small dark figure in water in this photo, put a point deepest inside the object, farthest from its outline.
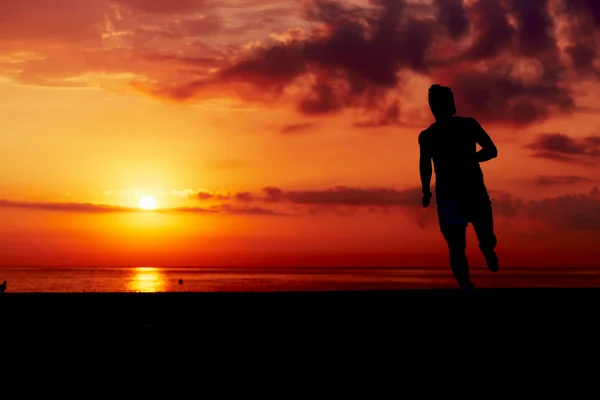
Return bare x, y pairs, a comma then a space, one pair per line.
461, 196
181, 281
3, 287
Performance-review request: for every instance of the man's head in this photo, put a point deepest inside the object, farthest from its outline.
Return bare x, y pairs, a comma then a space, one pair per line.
441, 101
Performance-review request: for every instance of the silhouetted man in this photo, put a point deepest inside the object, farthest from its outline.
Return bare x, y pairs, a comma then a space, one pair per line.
461, 196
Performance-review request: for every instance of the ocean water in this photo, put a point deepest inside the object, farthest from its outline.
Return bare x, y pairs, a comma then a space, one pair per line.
140, 279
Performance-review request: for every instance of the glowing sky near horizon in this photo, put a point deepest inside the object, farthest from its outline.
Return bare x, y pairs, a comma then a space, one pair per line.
285, 132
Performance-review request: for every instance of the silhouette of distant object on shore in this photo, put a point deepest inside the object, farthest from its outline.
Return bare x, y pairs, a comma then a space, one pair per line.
3, 287
181, 281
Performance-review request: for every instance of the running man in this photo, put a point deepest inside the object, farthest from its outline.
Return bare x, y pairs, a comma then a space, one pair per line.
461, 196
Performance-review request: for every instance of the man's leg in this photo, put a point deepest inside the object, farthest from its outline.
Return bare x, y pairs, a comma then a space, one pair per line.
453, 224
456, 238
483, 222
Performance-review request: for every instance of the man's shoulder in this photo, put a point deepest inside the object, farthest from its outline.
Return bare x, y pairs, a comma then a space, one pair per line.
426, 133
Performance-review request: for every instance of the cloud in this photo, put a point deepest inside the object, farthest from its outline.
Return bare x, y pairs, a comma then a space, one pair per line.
165, 6
67, 207
560, 147
50, 22
296, 128
76, 43
92, 208
560, 180
501, 57
567, 212
341, 200
585, 17
333, 68
228, 209
451, 14
245, 197
570, 212
573, 212
343, 195
359, 57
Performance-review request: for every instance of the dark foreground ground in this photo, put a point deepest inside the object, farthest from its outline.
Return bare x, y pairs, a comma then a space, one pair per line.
415, 314
300, 340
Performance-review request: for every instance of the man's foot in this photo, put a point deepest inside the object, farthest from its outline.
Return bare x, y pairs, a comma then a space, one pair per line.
492, 261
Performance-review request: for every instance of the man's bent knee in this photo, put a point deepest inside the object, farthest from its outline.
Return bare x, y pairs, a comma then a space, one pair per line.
488, 243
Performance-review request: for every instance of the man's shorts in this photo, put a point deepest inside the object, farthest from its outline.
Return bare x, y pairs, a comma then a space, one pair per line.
452, 211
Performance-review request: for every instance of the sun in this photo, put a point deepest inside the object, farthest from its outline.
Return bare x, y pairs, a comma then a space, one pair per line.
147, 203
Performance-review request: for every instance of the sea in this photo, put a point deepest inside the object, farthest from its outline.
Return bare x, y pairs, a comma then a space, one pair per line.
270, 279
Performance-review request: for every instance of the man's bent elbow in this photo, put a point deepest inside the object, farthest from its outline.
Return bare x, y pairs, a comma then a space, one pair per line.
494, 153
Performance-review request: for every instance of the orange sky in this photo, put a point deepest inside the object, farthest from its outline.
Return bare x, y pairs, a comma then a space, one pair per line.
285, 132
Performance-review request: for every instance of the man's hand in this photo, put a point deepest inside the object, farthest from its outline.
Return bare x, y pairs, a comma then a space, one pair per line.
426, 200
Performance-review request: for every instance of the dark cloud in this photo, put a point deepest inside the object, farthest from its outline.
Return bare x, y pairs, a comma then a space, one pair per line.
342, 200
560, 147
590, 8
513, 87
347, 201
547, 180
569, 212
494, 96
350, 67
451, 14
493, 32
357, 58
535, 33
500, 56
584, 17
343, 196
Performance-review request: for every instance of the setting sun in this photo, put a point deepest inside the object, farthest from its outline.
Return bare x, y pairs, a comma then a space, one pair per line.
148, 203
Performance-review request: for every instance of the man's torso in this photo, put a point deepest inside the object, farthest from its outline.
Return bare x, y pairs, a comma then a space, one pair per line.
453, 149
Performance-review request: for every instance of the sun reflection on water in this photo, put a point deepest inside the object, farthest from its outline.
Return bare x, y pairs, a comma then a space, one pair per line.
146, 279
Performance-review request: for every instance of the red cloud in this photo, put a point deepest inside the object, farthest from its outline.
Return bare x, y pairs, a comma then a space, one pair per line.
94, 208
356, 58
568, 212
501, 57
165, 6
560, 147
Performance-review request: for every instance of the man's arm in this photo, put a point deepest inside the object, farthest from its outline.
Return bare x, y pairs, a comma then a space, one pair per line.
488, 148
425, 169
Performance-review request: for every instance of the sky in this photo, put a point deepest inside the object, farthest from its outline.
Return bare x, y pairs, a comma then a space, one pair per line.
285, 132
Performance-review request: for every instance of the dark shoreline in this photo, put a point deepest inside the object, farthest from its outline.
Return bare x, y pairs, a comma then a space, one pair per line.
397, 313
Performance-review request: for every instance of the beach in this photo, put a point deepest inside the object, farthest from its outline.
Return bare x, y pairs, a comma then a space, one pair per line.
265, 306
